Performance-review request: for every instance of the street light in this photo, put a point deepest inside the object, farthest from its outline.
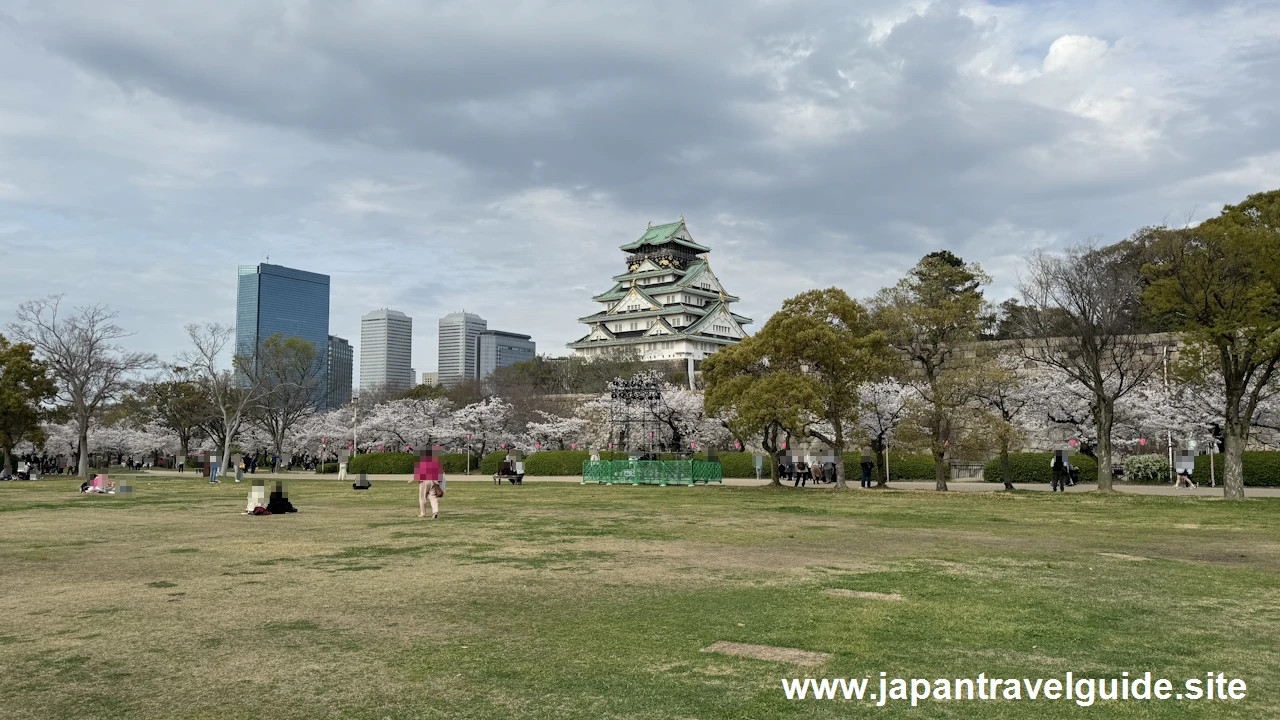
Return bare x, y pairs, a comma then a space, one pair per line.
355, 422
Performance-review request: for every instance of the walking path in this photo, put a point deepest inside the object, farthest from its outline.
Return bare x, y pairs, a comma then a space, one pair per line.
954, 485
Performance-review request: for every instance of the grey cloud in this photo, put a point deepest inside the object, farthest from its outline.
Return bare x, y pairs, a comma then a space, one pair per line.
417, 153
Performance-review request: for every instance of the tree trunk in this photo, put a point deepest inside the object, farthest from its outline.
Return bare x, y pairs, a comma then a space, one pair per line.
1006, 475
1233, 462
84, 449
5, 467
877, 447
941, 429
1105, 417
838, 448
770, 444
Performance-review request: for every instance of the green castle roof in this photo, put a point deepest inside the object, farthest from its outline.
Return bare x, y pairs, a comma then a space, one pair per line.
662, 234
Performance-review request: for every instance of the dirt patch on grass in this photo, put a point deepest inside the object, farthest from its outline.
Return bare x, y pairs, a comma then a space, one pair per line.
767, 652
1122, 556
864, 594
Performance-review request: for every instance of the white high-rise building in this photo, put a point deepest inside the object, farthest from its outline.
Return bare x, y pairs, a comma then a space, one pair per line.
458, 332
386, 350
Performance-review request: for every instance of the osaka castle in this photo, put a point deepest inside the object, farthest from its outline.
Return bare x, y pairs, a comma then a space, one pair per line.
668, 305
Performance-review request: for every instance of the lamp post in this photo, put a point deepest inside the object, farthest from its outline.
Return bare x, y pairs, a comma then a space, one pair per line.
355, 421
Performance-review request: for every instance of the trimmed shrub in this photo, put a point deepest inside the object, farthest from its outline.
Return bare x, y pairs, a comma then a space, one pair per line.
1261, 469
902, 466
327, 468
490, 463
1033, 467
739, 464
386, 463
456, 463
382, 463
1146, 469
556, 462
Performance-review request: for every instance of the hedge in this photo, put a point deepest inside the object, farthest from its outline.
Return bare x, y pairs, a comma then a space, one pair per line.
1146, 469
902, 466
388, 463
327, 468
382, 463
1261, 469
1033, 467
918, 466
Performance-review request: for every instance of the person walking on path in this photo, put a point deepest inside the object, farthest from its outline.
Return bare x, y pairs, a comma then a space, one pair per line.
343, 455
429, 475
1061, 471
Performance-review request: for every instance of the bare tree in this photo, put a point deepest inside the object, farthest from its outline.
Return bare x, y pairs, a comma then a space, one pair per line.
232, 391
1082, 317
80, 350
287, 371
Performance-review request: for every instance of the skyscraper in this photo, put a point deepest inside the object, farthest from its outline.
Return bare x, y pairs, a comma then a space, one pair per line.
458, 332
495, 349
273, 299
341, 361
386, 350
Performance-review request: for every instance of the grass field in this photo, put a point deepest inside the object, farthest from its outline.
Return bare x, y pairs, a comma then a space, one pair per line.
563, 601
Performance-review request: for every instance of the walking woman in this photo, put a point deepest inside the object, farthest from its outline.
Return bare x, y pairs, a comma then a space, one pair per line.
1060, 471
429, 475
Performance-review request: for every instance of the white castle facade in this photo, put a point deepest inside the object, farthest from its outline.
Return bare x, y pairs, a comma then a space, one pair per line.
668, 305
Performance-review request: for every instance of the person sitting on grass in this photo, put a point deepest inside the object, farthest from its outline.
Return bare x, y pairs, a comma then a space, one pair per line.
257, 496
278, 502
98, 485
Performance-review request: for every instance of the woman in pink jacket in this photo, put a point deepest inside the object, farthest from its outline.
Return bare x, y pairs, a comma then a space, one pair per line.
429, 475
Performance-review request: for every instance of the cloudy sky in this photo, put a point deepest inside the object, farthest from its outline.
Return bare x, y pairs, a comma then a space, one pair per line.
434, 156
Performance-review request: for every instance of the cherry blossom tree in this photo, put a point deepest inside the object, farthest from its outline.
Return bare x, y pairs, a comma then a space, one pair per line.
1058, 406
483, 425
1001, 394
411, 423
61, 439
882, 407
554, 430
595, 432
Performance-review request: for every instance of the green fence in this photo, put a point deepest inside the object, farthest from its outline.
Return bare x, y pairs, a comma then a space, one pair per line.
650, 472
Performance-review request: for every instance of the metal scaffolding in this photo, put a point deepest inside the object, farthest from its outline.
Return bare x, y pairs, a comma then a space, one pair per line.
634, 427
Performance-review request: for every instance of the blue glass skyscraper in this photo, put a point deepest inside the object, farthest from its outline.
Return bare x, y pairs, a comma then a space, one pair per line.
295, 303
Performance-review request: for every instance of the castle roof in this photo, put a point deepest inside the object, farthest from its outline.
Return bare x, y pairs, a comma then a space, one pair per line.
669, 234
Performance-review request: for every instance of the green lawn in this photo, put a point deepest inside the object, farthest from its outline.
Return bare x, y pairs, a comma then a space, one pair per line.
563, 601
